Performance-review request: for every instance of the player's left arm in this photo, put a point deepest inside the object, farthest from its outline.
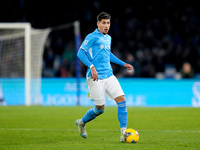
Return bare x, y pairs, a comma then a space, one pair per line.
128, 66
116, 60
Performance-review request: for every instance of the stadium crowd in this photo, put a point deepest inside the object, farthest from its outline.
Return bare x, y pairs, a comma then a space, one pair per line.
160, 39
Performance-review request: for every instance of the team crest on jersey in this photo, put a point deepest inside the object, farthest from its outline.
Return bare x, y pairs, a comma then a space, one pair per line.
86, 41
101, 46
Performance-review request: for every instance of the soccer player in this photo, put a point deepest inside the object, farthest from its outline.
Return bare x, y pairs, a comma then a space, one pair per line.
95, 53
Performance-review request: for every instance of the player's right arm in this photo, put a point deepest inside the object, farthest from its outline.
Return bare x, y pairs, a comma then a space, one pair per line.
82, 55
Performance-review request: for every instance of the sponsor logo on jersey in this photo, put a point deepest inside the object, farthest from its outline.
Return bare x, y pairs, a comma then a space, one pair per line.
85, 42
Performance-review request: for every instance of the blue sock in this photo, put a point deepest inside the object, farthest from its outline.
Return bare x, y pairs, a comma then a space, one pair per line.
122, 114
91, 114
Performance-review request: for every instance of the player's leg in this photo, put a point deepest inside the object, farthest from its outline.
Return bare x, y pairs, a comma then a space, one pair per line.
90, 115
114, 91
122, 113
97, 95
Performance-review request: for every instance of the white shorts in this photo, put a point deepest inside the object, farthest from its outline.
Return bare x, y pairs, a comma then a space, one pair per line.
109, 87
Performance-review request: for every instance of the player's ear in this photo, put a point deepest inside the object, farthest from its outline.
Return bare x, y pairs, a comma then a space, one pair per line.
97, 23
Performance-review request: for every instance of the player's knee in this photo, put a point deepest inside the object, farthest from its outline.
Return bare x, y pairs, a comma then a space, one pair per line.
123, 99
120, 99
99, 110
100, 107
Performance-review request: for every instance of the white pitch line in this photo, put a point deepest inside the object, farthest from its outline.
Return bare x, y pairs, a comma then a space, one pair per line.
93, 130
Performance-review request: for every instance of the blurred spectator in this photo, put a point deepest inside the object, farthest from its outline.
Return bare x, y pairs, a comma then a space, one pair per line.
49, 57
170, 71
69, 52
187, 70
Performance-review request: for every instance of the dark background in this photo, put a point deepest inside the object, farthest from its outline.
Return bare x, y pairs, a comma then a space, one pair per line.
155, 37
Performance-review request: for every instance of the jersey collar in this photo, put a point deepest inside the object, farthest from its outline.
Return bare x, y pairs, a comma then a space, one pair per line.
97, 31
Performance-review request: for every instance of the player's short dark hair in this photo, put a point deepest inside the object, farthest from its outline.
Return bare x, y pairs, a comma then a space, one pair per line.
103, 15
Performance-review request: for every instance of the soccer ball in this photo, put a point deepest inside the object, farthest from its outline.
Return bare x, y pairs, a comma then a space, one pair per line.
130, 136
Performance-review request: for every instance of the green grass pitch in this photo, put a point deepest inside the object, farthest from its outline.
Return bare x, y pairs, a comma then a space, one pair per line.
53, 128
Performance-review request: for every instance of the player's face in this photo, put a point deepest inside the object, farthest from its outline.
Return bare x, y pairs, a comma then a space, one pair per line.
103, 26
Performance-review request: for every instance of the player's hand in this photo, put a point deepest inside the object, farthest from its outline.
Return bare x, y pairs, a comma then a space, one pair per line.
94, 74
128, 66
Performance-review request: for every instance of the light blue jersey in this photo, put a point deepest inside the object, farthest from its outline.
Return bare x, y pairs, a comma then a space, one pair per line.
96, 50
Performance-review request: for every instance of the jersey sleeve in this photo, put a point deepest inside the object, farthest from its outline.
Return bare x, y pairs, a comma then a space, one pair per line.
87, 43
83, 57
116, 60
84, 48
